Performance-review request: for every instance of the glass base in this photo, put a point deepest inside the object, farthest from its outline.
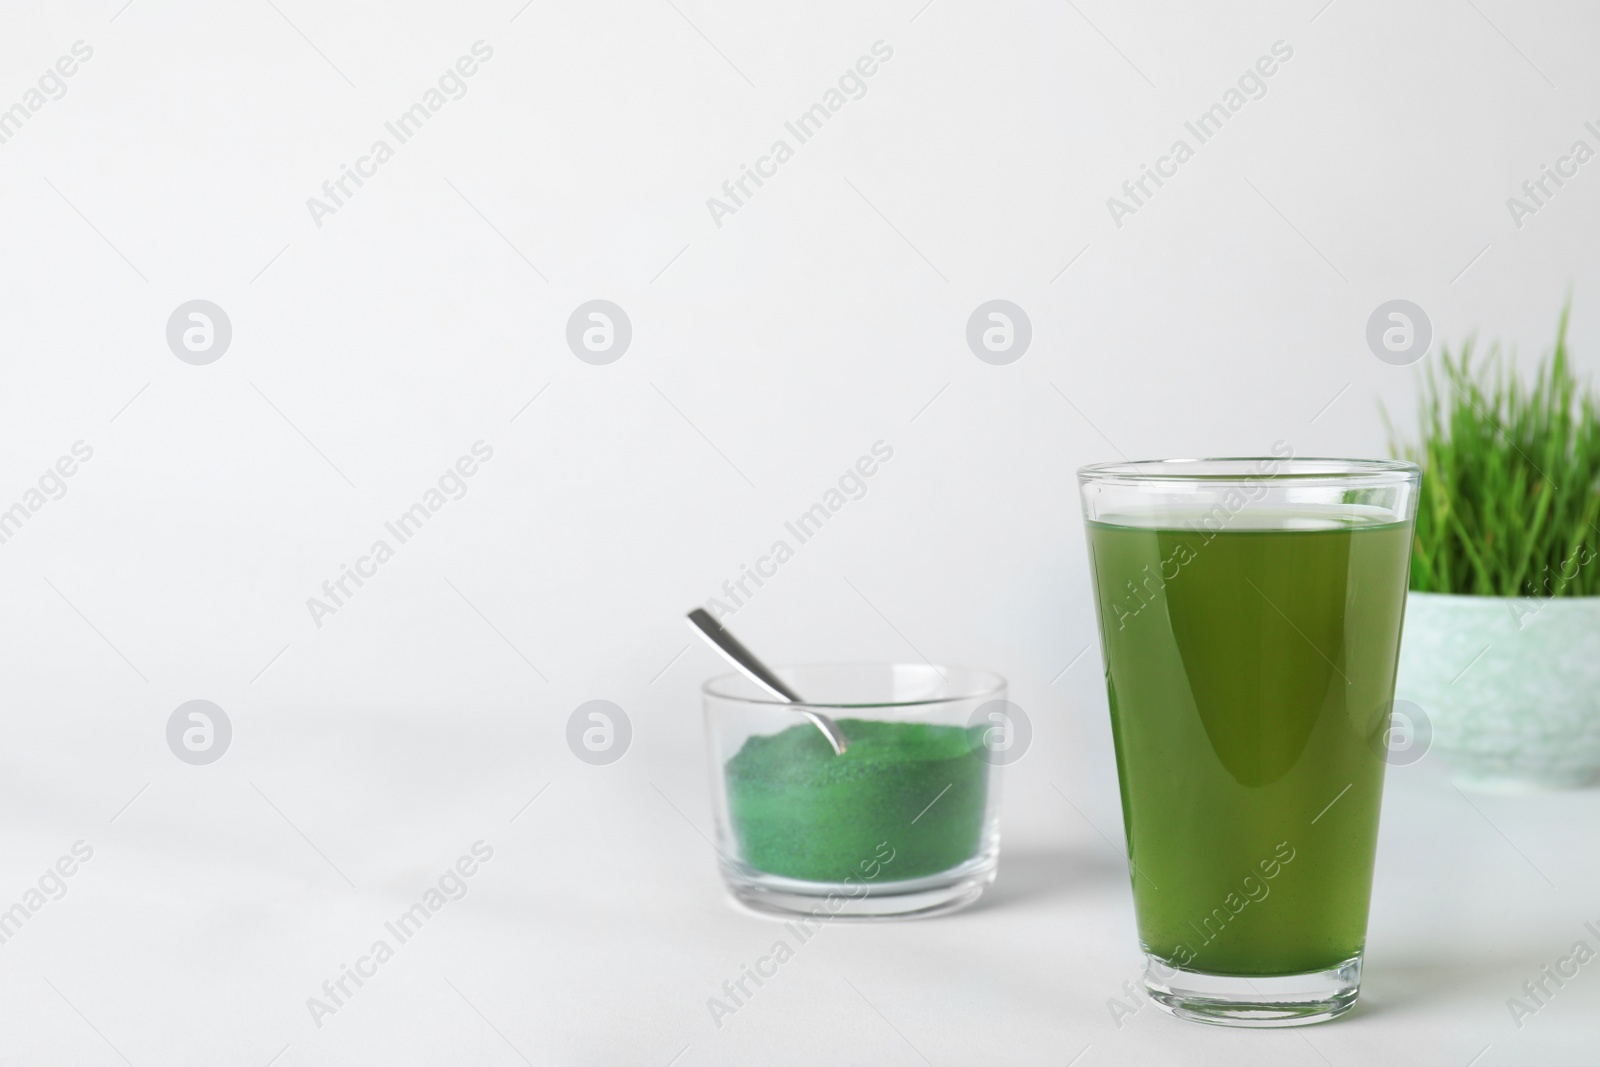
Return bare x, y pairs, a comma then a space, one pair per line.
918, 898
1237, 1000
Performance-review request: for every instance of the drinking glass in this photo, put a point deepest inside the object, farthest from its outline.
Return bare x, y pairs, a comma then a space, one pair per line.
904, 823
1250, 615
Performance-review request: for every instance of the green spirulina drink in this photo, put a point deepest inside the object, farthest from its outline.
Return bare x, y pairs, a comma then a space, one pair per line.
1250, 664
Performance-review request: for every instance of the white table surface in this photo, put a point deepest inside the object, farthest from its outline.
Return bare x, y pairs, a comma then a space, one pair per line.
598, 930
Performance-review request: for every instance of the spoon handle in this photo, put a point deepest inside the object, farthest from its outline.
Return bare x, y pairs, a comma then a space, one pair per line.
758, 672
741, 657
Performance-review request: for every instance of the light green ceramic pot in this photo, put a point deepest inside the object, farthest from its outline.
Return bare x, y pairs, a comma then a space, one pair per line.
1511, 686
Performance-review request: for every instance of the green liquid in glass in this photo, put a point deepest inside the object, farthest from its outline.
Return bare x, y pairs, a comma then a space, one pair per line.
1250, 673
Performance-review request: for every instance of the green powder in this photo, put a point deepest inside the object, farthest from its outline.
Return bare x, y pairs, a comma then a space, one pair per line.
800, 811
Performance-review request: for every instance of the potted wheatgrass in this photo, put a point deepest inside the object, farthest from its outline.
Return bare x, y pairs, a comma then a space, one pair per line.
1502, 631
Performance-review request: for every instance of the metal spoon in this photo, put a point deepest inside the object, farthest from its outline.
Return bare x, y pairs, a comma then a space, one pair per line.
735, 653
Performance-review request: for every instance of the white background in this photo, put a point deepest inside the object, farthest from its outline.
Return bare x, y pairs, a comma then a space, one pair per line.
768, 354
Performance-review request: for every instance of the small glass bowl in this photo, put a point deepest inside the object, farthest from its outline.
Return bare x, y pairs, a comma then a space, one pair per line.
904, 824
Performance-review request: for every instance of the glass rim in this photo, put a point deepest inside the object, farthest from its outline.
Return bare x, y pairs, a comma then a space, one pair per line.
987, 684
1294, 470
